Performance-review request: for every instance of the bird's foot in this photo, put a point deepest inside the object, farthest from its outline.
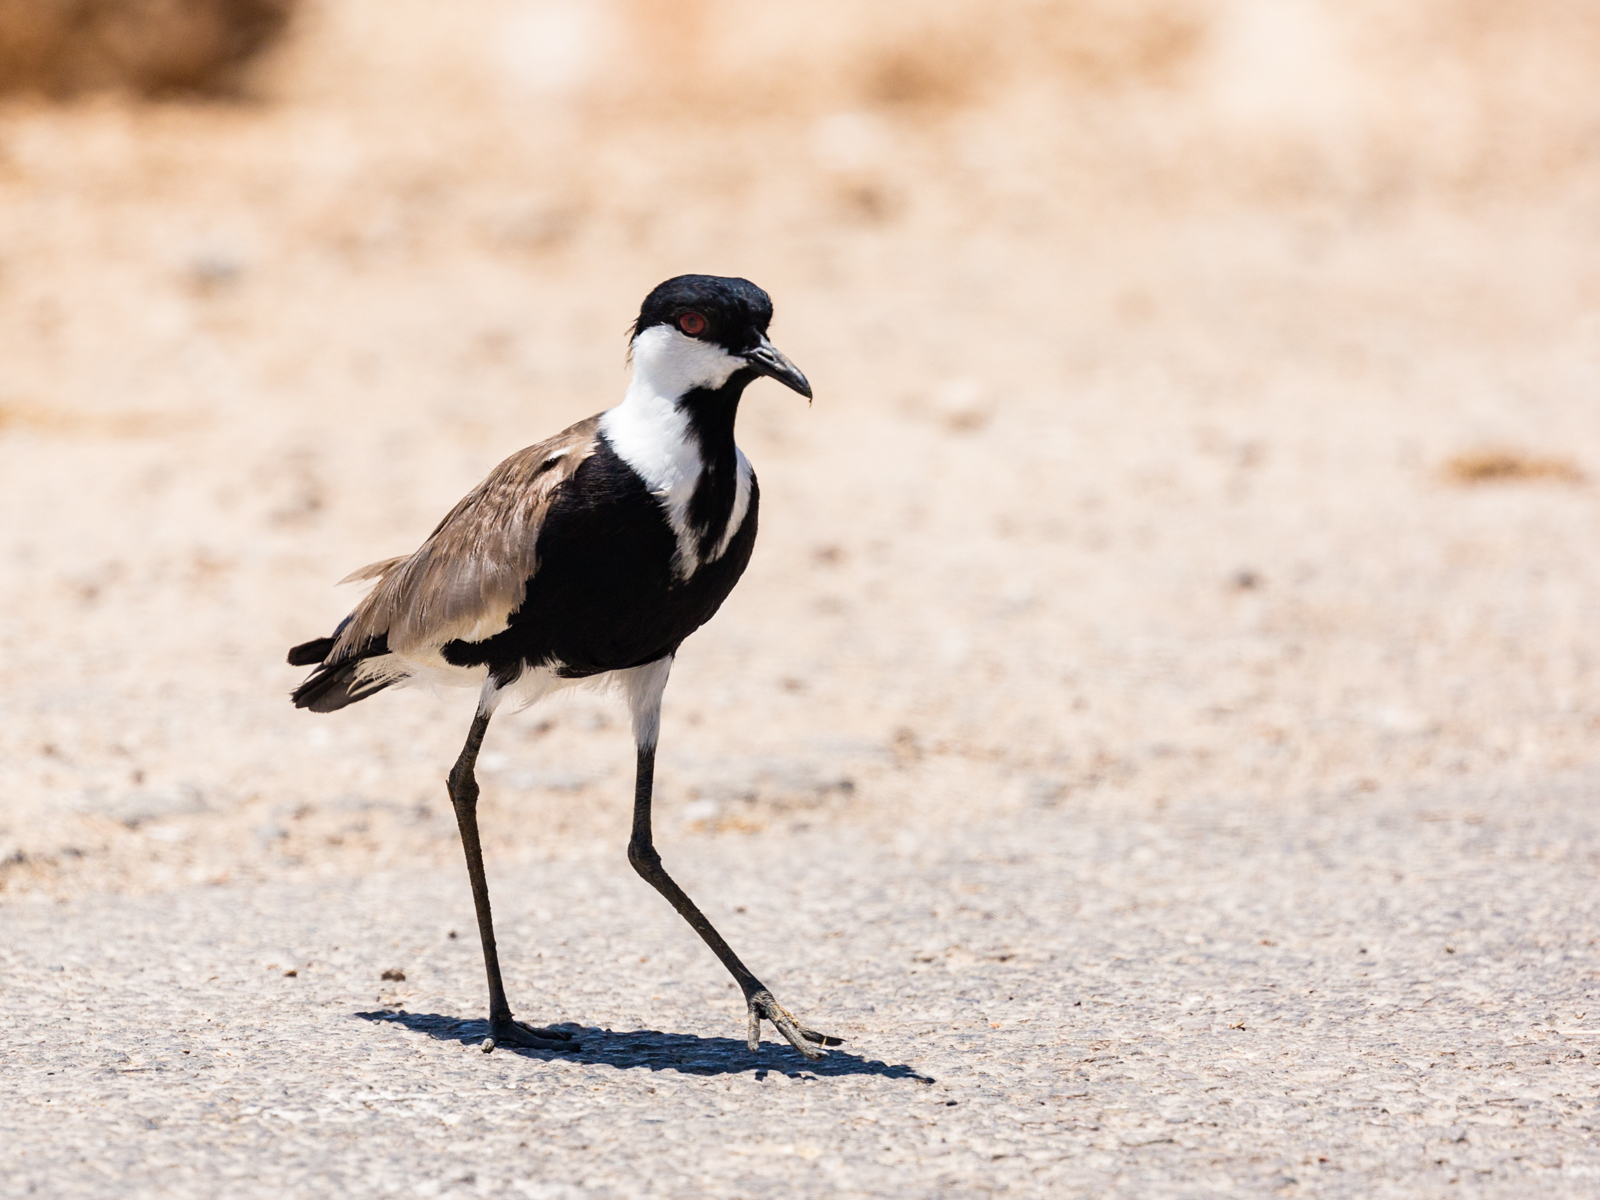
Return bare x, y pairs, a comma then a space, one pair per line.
763, 1006
506, 1032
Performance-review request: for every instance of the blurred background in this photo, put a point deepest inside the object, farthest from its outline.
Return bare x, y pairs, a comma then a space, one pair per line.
1206, 404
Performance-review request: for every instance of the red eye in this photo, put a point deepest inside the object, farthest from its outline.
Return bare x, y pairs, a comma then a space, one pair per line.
692, 323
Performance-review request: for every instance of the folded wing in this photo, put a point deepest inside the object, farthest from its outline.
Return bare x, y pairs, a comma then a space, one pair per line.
472, 573
464, 582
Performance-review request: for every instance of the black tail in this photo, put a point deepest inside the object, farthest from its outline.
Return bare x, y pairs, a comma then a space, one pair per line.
334, 684
331, 688
309, 654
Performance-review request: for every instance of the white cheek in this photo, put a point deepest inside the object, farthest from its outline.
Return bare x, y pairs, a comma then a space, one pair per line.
668, 363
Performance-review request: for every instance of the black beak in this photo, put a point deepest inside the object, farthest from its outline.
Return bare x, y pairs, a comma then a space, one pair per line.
766, 359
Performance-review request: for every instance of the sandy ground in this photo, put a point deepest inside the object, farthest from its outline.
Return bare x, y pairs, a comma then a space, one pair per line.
1119, 573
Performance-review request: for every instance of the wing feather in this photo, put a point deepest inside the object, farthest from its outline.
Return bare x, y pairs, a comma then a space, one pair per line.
472, 573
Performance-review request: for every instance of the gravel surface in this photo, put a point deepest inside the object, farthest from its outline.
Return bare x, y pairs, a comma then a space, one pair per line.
1370, 996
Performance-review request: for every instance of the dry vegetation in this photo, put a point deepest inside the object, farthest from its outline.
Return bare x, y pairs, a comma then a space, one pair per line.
1502, 466
1110, 308
149, 47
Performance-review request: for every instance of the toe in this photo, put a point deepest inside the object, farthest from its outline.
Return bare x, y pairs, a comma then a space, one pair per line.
554, 1035
527, 1037
821, 1039
763, 1005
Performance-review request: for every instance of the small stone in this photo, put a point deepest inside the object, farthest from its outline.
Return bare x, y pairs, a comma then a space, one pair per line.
395, 975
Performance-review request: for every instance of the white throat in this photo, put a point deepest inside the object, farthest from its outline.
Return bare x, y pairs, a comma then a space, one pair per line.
651, 433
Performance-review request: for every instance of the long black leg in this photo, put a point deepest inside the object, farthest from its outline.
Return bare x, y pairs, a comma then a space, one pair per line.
463, 786
642, 854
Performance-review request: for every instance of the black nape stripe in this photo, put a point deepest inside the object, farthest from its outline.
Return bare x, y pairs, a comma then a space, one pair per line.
711, 414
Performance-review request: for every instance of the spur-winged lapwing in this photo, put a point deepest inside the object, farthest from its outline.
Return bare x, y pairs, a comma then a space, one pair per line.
592, 555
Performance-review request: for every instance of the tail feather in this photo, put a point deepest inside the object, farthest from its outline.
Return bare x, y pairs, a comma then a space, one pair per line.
309, 654
332, 687
335, 684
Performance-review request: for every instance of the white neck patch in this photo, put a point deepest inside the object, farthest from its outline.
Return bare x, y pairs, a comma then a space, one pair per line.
651, 433
669, 363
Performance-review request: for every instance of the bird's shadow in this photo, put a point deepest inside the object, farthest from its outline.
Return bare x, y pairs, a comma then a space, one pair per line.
683, 1052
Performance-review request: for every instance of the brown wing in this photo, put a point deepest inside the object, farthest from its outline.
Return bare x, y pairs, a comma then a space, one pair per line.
472, 573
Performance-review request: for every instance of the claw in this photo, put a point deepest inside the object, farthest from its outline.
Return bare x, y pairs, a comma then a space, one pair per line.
763, 1005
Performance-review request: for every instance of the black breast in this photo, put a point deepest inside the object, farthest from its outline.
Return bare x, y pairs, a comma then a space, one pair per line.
605, 597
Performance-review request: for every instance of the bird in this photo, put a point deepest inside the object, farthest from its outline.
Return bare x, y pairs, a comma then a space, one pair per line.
586, 558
